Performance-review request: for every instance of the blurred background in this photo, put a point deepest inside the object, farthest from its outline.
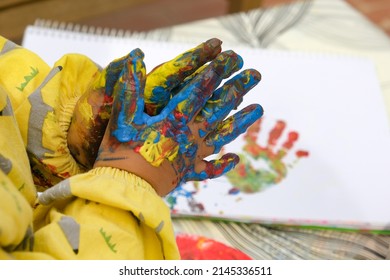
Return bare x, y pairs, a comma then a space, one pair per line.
144, 15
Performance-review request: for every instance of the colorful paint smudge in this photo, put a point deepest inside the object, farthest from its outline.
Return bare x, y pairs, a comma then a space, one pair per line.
180, 191
249, 179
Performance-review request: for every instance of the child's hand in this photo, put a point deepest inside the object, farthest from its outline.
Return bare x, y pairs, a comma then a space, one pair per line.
169, 148
93, 110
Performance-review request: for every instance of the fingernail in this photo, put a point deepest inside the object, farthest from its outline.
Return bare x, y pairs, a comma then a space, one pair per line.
214, 42
259, 111
137, 53
255, 74
250, 78
227, 63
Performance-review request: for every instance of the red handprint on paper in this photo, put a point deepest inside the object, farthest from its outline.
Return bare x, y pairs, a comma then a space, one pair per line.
249, 179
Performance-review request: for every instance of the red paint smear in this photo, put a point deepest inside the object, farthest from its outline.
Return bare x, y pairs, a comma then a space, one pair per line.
193, 247
241, 170
292, 137
178, 115
137, 149
108, 99
276, 132
166, 127
301, 153
214, 170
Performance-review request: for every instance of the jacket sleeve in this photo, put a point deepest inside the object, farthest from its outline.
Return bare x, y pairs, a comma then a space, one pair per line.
17, 190
43, 99
105, 213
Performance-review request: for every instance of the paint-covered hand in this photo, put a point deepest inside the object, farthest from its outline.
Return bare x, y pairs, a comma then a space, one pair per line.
170, 148
93, 109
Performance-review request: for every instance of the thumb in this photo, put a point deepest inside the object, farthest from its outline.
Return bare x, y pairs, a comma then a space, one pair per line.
214, 168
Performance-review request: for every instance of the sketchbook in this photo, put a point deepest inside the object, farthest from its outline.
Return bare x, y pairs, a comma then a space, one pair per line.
320, 156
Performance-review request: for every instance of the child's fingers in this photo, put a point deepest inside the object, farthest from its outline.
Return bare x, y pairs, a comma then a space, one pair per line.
128, 109
227, 98
112, 72
162, 79
214, 168
233, 126
187, 80
186, 104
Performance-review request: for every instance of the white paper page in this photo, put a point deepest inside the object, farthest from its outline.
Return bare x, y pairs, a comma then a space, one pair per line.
333, 103
52, 44
336, 106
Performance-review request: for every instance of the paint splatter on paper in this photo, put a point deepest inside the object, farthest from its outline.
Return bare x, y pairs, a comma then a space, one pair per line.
248, 178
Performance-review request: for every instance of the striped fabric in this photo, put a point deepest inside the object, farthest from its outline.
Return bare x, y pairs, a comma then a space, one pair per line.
288, 243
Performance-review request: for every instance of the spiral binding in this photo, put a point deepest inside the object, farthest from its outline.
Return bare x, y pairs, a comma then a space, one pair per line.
159, 34
69, 26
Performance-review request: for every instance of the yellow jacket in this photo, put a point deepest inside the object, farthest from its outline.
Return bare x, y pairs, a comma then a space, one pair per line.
104, 213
